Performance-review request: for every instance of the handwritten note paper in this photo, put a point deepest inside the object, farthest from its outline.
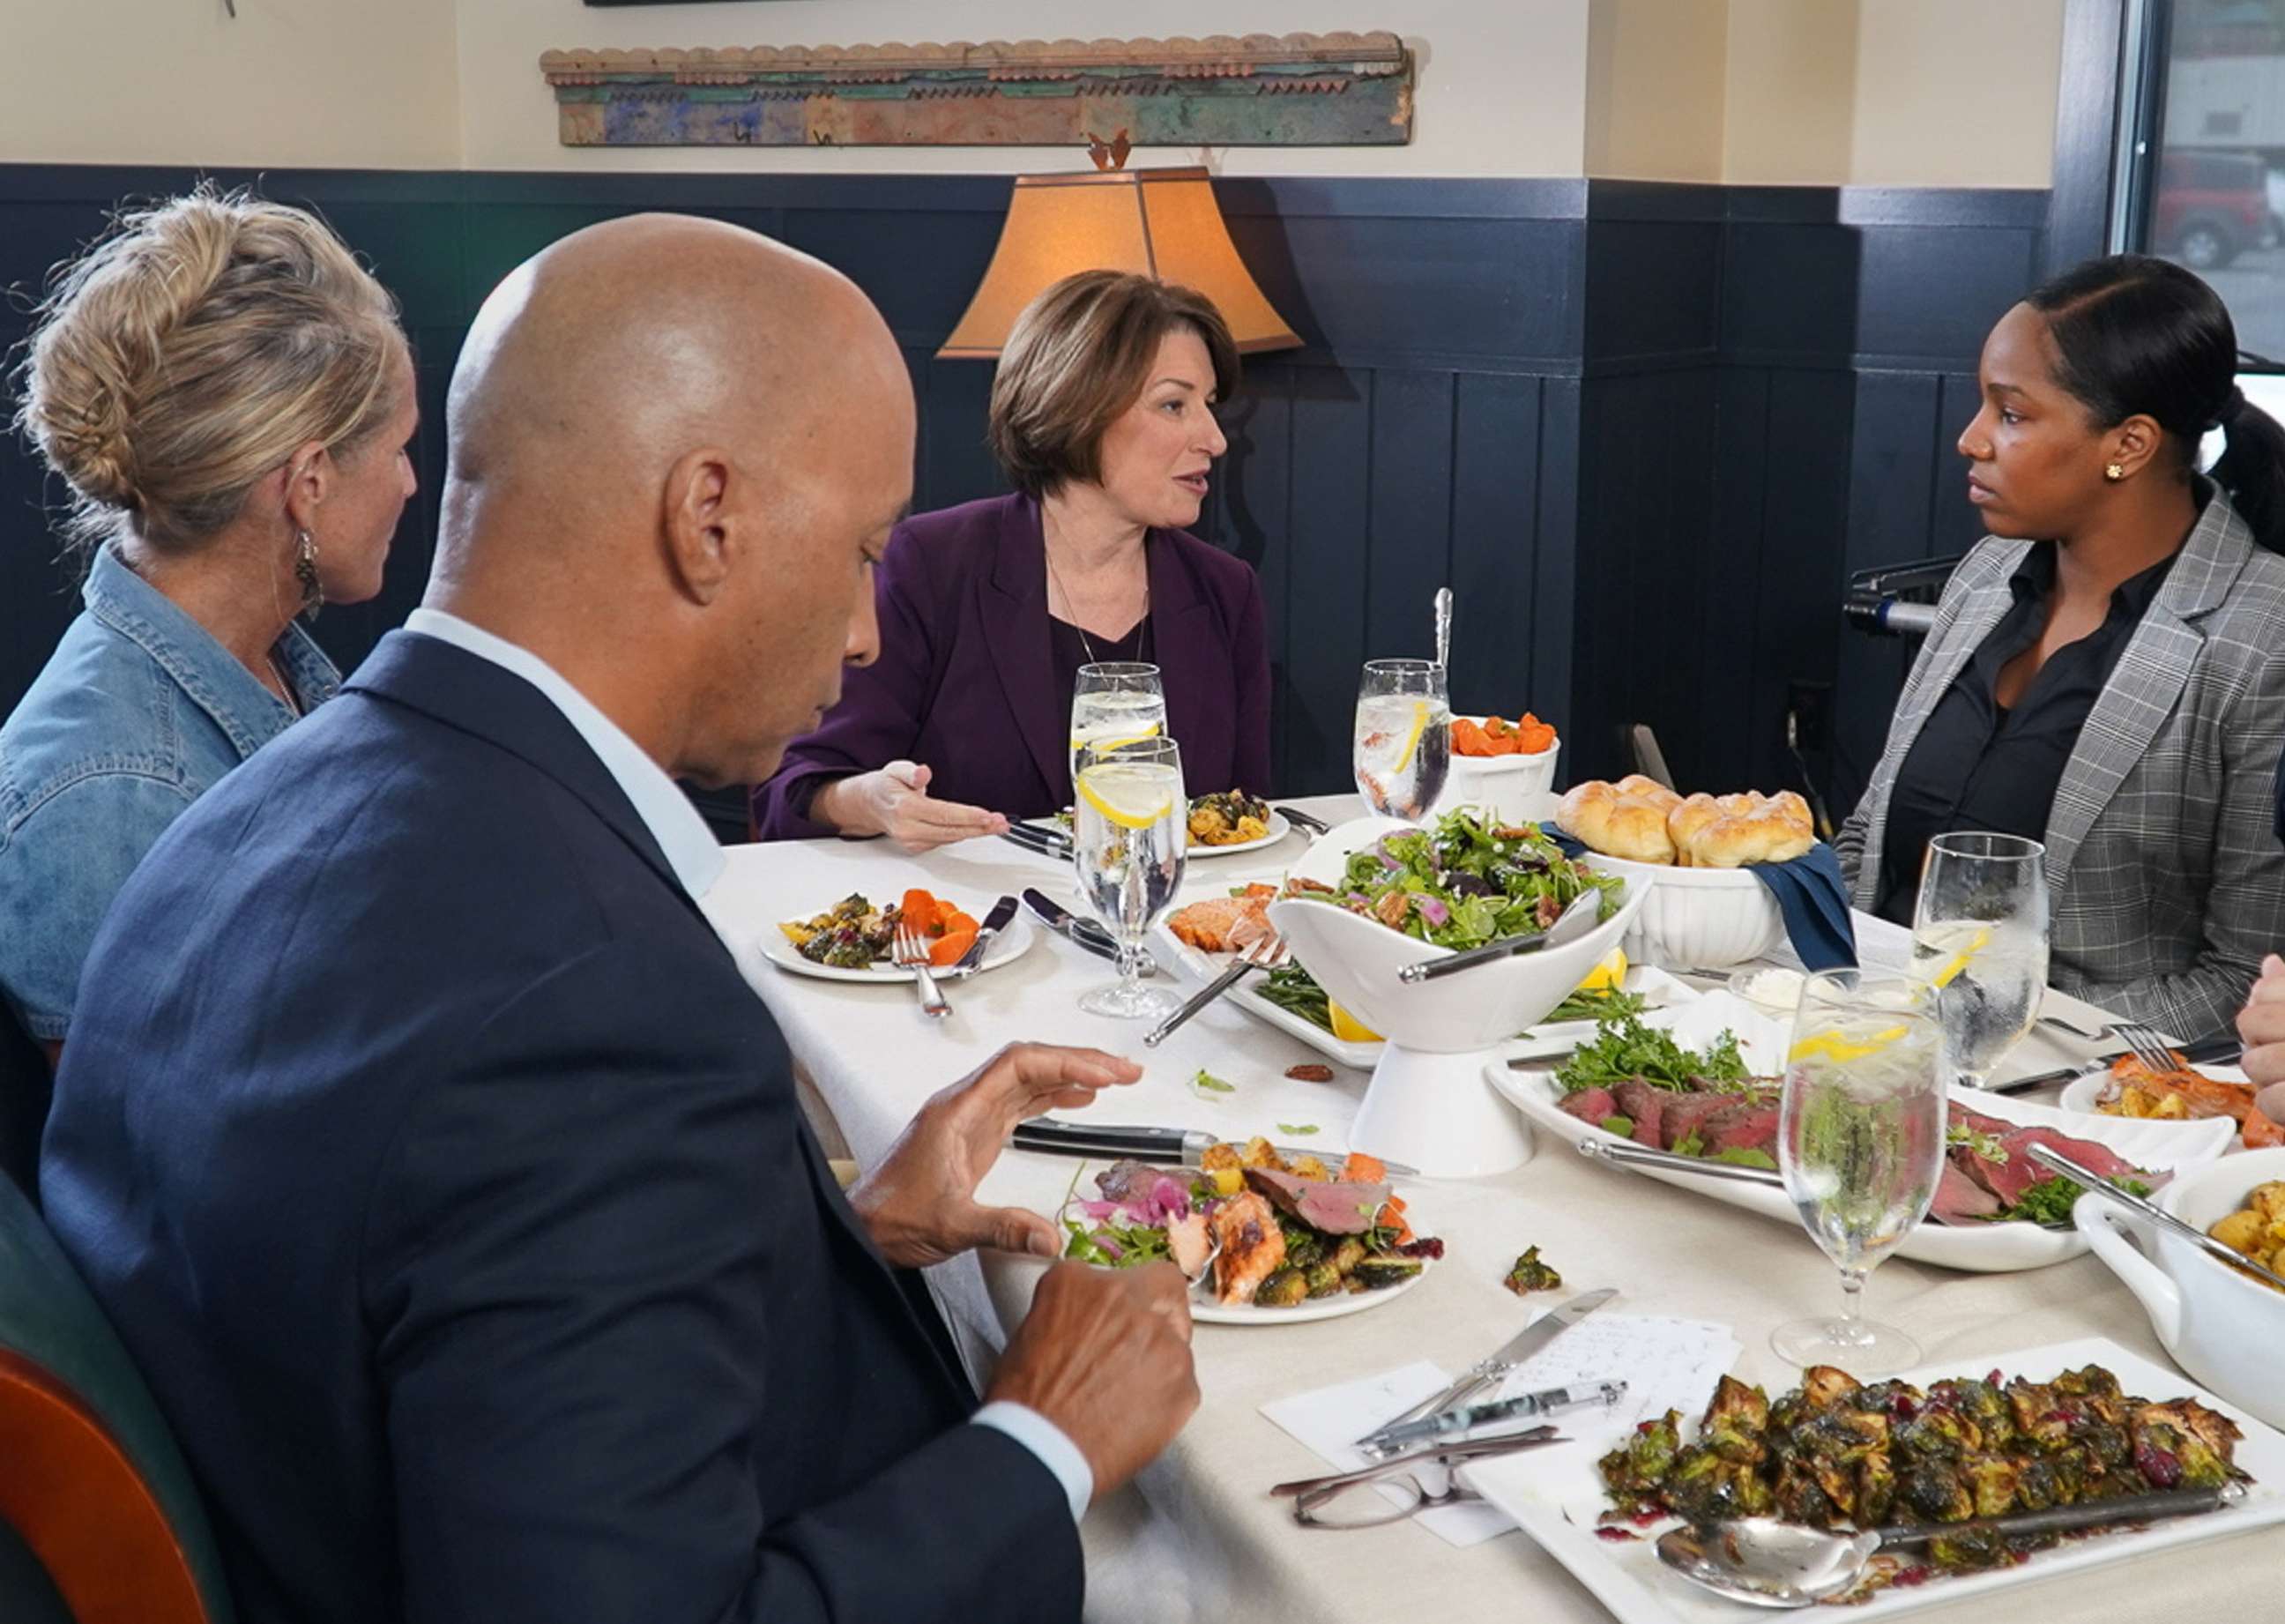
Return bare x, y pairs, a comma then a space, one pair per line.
1666, 1363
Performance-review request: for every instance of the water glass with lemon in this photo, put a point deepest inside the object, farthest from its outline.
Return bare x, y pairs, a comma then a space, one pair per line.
1403, 739
1980, 941
1115, 701
1131, 838
1860, 1147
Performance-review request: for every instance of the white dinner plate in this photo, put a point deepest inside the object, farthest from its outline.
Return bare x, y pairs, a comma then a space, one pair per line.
1981, 1248
2082, 1095
1555, 1496
1010, 944
1278, 829
1207, 1311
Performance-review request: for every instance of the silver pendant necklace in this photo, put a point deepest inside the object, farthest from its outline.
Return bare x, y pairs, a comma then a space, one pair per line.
1072, 605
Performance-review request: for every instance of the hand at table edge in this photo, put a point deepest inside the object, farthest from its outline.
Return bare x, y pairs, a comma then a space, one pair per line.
919, 1204
2261, 1027
894, 801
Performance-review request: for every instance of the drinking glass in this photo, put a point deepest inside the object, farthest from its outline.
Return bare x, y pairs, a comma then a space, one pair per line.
1980, 940
1131, 838
1860, 1147
1115, 701
1403, 739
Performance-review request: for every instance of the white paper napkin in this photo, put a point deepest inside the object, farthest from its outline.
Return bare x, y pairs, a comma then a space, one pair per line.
1667, 1364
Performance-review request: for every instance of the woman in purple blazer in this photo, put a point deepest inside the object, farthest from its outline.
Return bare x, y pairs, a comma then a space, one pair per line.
1103, 417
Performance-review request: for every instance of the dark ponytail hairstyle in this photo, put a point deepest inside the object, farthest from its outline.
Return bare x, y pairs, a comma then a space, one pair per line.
2137, 335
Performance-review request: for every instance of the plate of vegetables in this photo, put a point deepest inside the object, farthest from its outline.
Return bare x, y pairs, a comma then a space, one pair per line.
854, 939
2071, 1421
1264, 1238
1702, 1081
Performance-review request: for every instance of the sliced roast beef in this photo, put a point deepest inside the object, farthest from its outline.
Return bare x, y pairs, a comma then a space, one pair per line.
1643, 1106
2020, 1172
1961, 1199
1686, 1113
1334, 1205
1591, 1104
1744, 1125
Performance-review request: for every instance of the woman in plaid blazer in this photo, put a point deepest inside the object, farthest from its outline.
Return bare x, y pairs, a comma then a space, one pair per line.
2114, 566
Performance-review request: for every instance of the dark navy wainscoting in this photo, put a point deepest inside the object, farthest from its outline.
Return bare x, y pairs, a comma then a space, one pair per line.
1643, 430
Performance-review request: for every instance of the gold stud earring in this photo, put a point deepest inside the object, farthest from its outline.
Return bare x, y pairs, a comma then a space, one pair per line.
2114, 473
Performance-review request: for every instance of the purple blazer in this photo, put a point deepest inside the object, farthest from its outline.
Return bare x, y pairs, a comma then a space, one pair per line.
965, 682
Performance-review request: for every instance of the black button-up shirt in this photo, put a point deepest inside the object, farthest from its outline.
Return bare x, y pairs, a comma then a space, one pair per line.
1978, 765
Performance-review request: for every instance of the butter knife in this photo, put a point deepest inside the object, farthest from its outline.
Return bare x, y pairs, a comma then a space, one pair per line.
1080, 932
1519, 1347
994, 923
1032, 837
1142, 1144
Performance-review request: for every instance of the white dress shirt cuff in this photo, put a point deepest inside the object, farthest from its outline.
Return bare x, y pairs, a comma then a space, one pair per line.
1046, 1439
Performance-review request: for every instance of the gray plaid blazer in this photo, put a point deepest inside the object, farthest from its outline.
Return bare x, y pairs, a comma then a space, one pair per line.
2165, 871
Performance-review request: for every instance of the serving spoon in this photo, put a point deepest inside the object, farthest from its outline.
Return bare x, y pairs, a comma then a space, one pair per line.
1582, 917
1765, 1562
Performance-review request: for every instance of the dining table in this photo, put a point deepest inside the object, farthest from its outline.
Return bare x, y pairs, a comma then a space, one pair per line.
1197, 1537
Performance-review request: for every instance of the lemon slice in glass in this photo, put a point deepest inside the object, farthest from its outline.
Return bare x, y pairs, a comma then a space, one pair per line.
1346, 1027
1832, 1046
1412, 739
1132, 795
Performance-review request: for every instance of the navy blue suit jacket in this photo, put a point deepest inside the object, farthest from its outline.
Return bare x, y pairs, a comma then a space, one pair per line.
448, 1183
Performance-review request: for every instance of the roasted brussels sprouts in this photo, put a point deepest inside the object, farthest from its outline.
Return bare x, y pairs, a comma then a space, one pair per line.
1283, 1290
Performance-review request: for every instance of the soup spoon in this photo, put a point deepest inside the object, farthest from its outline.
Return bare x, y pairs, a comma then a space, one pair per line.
1767, 1563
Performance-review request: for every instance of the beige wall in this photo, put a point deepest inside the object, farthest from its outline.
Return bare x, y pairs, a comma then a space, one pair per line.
1880, 92
1957, 93
1654, 88
1790, 90
1501, 83
364, 83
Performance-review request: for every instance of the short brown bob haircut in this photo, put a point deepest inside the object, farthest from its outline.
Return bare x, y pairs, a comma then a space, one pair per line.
1079, 354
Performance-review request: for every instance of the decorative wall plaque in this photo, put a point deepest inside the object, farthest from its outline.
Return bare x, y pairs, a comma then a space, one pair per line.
1302, 89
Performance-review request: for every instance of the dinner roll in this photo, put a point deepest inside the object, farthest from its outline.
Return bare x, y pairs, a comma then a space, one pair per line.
1636, 787
1764, 837
1684, 823
1630, 827
1570, 809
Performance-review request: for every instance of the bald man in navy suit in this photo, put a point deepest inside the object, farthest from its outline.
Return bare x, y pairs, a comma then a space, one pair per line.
422, 1139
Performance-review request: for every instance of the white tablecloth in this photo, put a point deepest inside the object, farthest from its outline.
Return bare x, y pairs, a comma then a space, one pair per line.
1202, 1541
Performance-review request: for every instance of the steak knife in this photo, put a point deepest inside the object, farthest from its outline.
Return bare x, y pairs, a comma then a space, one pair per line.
994, 923
1141, 1144
1082, 932
1519, 1347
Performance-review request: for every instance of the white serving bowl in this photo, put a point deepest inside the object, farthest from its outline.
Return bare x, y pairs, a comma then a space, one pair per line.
2222, 1327
1697, 918
1428, 1104
1512, 788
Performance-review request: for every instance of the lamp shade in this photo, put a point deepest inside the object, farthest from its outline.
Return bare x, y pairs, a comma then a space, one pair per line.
1159, 223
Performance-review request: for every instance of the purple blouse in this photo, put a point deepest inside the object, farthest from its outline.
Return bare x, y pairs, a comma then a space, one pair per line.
967, 678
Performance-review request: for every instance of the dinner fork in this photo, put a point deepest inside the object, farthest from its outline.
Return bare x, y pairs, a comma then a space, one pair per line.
1265, 952
2148, 1046
912, 953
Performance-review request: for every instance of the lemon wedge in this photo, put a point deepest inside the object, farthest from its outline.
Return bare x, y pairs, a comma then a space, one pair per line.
1611, 973
1960, 961
1412, 739
1113, 741
1347, 1028
1832, 1046
1132, 795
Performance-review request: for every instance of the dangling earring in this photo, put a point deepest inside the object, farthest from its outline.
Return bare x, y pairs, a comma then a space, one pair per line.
2114, 473
305, 572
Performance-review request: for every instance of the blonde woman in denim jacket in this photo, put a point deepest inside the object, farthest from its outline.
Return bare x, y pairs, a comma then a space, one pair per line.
230, 397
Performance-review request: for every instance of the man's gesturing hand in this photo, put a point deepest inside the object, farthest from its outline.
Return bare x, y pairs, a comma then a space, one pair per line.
920, 1205
1106, 1354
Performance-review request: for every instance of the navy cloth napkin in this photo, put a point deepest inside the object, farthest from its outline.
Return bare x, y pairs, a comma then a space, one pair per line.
1810, 893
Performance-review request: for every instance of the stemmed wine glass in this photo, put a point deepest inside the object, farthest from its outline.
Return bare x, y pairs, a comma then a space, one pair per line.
1132, 838
1403, 739
1860, 1147
1980, 941
1113, 701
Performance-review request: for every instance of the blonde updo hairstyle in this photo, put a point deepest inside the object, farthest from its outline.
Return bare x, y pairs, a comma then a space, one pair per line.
189, 352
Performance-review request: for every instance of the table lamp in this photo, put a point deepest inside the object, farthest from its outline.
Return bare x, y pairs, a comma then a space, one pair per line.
1161, 223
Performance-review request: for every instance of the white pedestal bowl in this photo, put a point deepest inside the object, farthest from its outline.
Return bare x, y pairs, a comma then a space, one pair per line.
1428, 1103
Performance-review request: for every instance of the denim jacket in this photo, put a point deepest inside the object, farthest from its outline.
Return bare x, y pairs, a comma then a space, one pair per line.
136, 715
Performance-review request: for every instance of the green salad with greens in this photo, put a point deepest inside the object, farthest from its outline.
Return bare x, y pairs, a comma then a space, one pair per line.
1464, 883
